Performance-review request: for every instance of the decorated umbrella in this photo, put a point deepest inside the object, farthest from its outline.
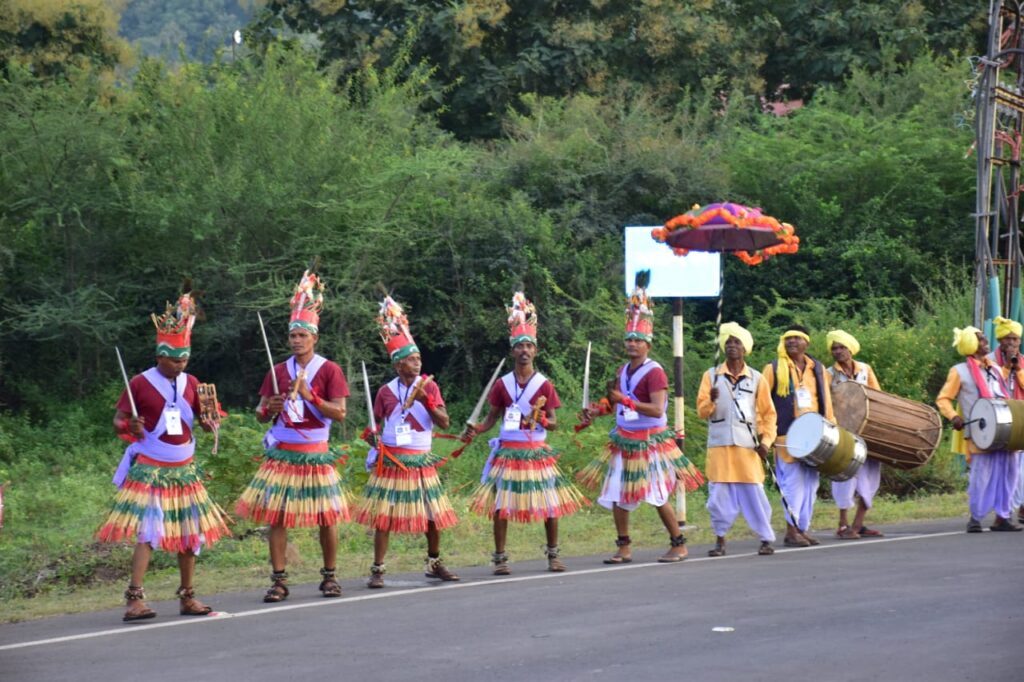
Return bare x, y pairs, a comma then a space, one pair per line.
726, 227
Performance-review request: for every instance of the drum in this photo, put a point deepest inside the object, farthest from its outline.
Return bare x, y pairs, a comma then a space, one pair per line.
900, 432
998, 424
835, 452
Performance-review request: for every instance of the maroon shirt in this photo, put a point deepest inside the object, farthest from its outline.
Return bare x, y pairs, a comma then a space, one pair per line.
656, 380
150, 405
385, 403
500, 398
329, 383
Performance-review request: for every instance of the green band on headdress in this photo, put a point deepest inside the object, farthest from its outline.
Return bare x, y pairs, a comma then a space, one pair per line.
166, 350
404, 352
513, 340
299, 324
639, 336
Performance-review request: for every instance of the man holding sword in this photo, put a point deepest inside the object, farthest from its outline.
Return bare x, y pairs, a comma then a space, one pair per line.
521, 480
297, 485
403, 493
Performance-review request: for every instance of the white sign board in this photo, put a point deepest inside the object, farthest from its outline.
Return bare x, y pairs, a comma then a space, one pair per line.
694, 275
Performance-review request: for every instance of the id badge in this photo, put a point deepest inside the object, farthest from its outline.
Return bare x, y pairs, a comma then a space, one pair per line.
630, 415
803, 398
172, 421
513, 418
296, 410
403, 434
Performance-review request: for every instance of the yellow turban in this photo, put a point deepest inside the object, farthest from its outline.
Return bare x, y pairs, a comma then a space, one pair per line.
966, 340
843, 339
732, 329
1005, 326
782, 379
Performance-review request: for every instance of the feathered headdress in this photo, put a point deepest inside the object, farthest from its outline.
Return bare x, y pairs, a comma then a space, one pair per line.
640, 310
522, 320
306, 303
394, 330
174, 328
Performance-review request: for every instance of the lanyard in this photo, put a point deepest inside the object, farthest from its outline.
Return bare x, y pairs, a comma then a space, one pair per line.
174, 390
519, 392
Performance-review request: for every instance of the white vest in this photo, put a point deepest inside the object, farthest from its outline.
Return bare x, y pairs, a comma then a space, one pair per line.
733, 422
969, 392
860, 375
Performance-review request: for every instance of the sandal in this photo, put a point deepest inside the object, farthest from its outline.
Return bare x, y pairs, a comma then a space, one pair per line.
437, 570
500, 561
869, 532
189, 605
134, 594
555, 564
719, 549
677, 541
1005, 525
797, 541
847, 533
618, 557
811, 540
279, 590
376, 580
329, 586
765, 549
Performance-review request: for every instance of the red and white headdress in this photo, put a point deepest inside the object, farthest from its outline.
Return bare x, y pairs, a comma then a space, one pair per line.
522, 320
394, 330
307, 302
174, 328
640, 310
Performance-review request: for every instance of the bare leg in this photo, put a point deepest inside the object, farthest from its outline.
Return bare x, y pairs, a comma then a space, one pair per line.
551, 530
329, 545
278, 542
189, 604
858, 518
187, 567
500, 533
843, 521
140, 562
668, 519
380, 546
621, 517
433, 540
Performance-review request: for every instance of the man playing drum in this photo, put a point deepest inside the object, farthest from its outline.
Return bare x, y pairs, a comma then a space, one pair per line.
865, 482
1007, 356
801, 388
993, 474
736, 401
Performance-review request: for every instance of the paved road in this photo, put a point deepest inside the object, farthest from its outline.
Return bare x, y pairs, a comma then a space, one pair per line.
928, 602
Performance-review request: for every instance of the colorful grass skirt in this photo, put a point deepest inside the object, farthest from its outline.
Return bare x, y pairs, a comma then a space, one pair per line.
296, 486
165, 506
524, 484
644, 462
406, 500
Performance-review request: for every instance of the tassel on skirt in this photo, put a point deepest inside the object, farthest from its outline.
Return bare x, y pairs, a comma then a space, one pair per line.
295, 489
406, 500
165, 506
525, 484
649, 458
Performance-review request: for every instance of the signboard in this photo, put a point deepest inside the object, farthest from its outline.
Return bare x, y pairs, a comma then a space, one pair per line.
695, 275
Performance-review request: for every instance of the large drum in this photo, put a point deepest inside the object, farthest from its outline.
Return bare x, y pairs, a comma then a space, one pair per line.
835, 452
998, 424
900, 432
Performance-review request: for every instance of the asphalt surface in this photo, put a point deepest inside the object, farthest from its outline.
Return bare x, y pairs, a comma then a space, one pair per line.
927, 602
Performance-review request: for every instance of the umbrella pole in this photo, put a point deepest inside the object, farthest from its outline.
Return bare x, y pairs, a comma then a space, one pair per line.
678, 404
718, 316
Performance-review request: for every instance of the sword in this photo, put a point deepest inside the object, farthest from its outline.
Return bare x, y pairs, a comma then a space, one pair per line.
127, 388
369, 400
478, 408
270, 358
586, 379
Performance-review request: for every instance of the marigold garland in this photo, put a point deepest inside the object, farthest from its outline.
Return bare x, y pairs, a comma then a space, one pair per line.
734, 215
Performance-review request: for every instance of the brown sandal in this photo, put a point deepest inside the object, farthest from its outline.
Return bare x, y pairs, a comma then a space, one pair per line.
500, 561
719, 549
618, 558
555, 564
189, 605
279, 590
765, 549
133, 594
329, 586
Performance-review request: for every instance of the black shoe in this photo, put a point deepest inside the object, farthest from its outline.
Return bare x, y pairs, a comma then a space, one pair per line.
1005, 525
974, 526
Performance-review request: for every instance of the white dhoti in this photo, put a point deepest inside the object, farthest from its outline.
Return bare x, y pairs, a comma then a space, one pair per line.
992, 483
727, 500
865, 484
799, 485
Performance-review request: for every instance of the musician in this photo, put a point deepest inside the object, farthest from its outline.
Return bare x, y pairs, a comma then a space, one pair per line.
1007, 356
521, 480
642, 462
737, 403
806, 390
297, 484
403, 493
158, 477
864, 485
993, 474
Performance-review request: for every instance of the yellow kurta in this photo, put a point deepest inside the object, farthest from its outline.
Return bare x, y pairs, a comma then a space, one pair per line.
805, 380
950, 391
734, 463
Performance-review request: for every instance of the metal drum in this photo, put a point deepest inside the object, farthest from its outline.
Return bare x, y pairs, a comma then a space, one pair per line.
900, 432
835, 452
997, 424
